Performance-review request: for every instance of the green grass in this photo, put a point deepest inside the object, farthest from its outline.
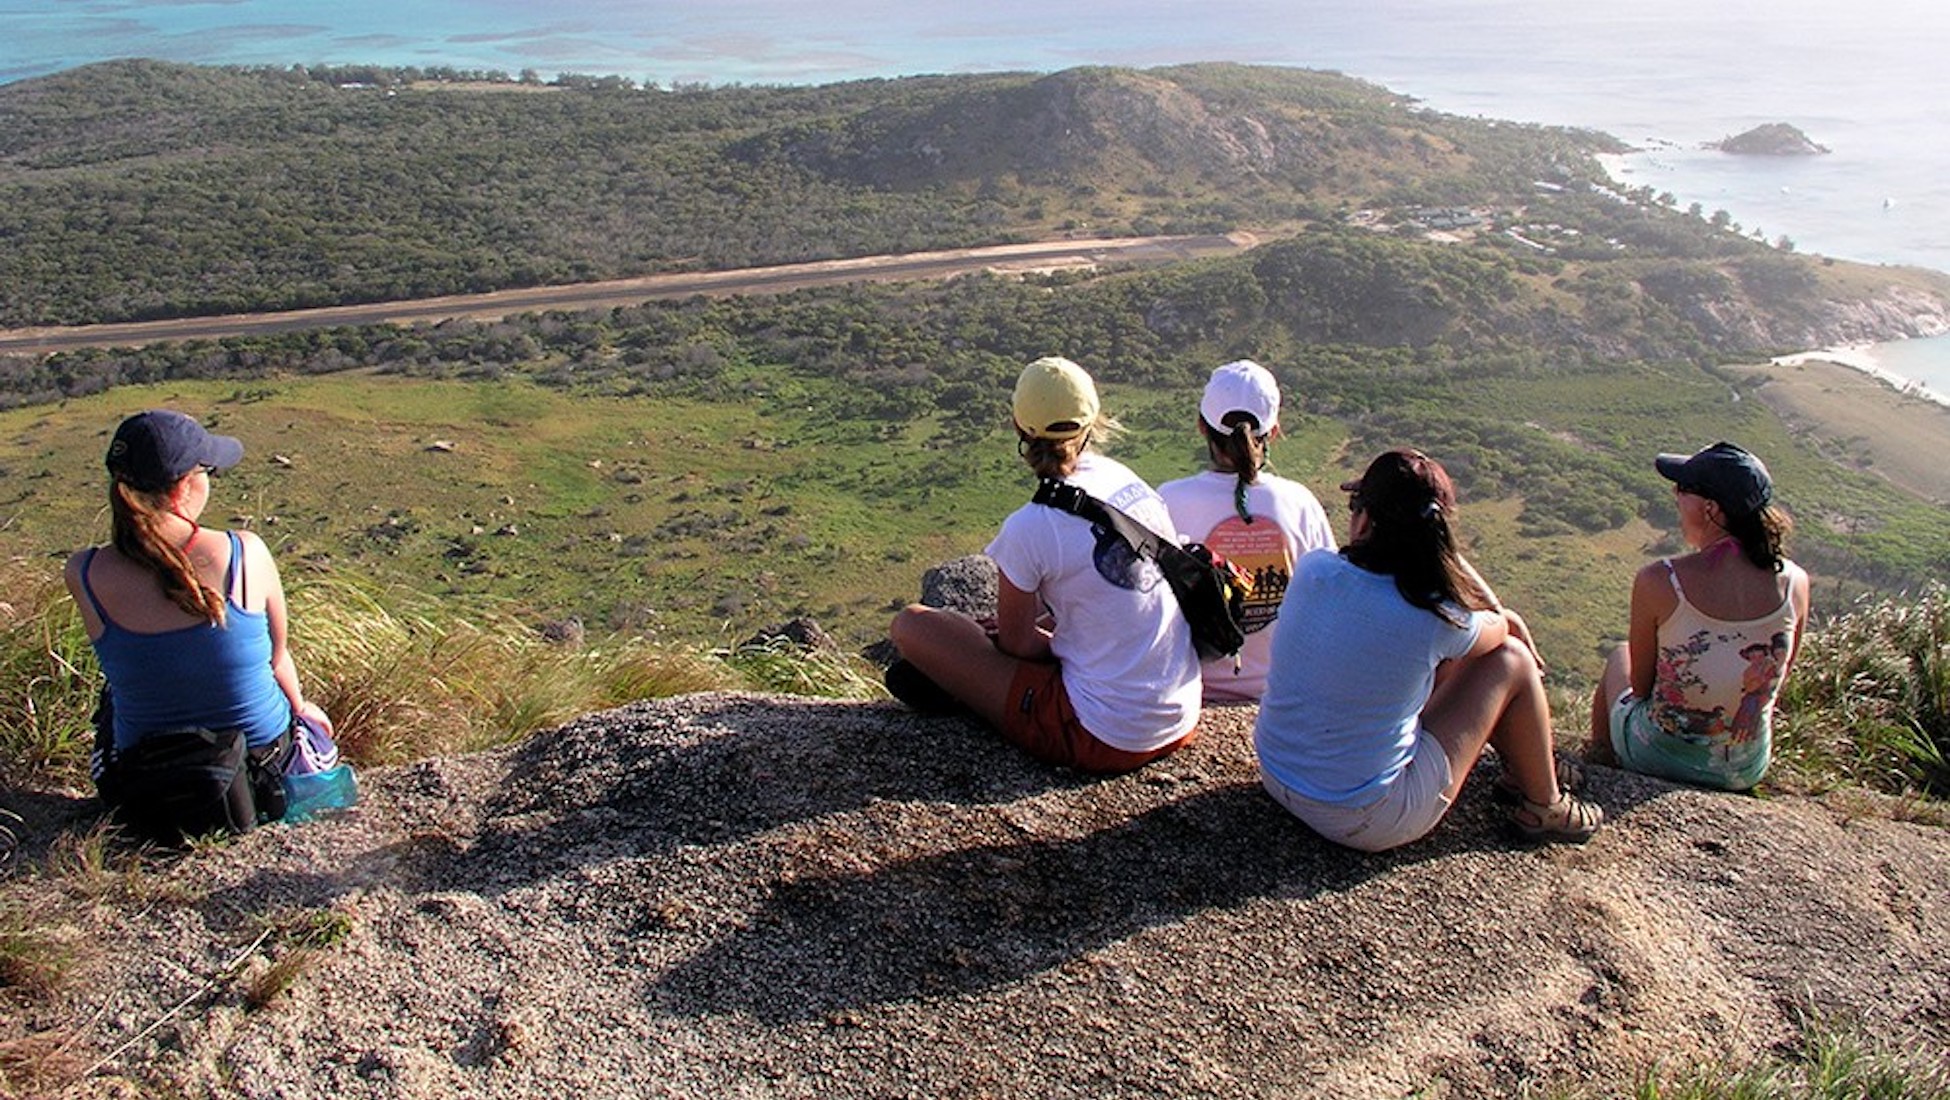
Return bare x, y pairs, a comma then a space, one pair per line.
403, 676
429, 529
49, 677
1868, 701
300, 941
1830, 1061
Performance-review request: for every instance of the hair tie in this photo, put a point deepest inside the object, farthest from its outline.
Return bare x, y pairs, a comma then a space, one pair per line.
1239, 500
1432, 511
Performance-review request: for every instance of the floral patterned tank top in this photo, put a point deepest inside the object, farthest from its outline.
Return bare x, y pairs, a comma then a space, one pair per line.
1715, 682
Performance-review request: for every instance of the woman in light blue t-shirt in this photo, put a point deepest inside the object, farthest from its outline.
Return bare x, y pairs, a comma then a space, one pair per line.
1393, 667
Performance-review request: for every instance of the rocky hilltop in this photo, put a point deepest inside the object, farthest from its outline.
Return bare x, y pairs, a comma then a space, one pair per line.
730, 895
1773, 139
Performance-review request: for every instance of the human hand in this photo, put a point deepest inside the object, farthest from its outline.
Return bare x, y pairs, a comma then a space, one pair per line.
1520, 630
314, 714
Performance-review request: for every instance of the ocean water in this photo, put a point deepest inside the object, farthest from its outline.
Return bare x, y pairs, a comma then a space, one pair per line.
1867, 79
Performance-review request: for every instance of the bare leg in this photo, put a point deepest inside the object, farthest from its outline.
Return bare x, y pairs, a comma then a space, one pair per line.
955, 652
1617, 677
1496, 699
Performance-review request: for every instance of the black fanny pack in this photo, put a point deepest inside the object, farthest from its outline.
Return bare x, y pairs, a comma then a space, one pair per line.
1211, 591
183, 783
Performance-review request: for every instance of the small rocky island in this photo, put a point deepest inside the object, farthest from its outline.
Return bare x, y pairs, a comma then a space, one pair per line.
1773, 139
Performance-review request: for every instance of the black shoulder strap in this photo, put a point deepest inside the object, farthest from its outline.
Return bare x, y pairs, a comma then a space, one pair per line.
1068, 498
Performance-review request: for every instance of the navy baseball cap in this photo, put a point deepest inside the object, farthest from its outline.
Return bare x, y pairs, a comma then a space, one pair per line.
155, 449
1723, 473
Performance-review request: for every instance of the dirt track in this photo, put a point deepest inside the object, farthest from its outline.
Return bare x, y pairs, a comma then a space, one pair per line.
623, 292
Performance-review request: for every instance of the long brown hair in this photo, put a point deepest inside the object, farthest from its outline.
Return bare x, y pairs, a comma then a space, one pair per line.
136, 532
1409, 500
1762, 534
1237, 448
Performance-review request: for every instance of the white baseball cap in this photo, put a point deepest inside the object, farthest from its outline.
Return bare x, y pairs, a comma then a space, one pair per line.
1242, 386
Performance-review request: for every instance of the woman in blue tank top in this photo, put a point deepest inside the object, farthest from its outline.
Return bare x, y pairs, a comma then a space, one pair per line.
187, 622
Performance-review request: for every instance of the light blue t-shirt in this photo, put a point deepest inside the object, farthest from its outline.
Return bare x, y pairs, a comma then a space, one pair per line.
1353, 665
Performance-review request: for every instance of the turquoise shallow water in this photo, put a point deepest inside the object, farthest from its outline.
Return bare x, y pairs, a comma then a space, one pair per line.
1867, 78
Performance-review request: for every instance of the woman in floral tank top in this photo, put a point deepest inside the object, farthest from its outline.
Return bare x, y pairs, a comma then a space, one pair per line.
1713, 633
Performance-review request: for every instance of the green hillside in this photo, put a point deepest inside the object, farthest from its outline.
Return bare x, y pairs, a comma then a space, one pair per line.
136, 190
699, 469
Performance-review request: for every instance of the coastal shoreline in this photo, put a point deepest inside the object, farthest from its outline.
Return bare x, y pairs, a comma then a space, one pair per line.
1862, 359
1859, 415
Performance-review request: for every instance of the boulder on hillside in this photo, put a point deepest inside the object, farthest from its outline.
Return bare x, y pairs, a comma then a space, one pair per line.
965, 584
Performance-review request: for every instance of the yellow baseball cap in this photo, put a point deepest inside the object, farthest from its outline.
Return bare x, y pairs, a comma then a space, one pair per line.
1055, 399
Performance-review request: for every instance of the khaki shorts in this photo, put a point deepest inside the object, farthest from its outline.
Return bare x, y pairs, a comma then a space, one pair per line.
1043, 723
1406, 810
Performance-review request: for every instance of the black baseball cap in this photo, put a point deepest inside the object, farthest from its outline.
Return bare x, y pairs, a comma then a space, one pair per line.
1723, 473
155, 449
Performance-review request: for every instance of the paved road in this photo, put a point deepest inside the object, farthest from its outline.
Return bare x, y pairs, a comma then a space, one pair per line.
623, 292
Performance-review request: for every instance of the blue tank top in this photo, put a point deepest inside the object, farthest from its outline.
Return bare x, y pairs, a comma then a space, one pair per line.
203, 676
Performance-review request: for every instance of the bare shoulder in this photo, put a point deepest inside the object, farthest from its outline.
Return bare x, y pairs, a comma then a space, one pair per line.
1652, 586
1653, 573
77, 561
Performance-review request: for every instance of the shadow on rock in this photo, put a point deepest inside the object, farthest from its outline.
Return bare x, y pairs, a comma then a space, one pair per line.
981, 917
711, 769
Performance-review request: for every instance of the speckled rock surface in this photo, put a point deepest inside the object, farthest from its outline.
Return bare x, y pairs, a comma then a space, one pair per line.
743, 896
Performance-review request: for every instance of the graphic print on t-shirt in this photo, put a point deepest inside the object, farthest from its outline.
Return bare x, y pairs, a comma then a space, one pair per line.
1117, 563
1260, 550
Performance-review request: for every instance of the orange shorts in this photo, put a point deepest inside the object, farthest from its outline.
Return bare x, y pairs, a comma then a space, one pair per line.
1043, 724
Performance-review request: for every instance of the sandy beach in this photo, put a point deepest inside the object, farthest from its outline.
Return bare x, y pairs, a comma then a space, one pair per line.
1862, 415
1864, 359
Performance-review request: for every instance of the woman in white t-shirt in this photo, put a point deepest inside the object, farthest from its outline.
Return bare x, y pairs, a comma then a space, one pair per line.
1258, 521
1090, 664
1393, 667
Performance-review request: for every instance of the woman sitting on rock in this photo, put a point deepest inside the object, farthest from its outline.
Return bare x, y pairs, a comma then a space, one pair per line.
1690, 696
1260, 522
1393, 667
188, 622
1090, 664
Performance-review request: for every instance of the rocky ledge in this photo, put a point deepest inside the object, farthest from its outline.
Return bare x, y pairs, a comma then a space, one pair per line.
745, 896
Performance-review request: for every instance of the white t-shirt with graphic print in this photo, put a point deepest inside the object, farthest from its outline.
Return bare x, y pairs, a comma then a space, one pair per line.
1287, 522
1128, 662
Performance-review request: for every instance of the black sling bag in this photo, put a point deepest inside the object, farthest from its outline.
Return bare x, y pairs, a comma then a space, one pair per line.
1211, 592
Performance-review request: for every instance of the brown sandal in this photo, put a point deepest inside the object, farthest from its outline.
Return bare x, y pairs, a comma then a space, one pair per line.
1570, 779
1569, 818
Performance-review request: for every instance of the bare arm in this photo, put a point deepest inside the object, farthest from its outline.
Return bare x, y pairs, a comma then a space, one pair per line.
71, 574
1018, 630
263, 574
1513, 624
1798, 593
1653, 601
1496, 630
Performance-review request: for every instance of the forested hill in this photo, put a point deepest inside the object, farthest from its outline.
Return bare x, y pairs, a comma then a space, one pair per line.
1473, 287
139, 189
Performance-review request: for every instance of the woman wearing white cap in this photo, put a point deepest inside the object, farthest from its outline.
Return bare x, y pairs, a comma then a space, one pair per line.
1091, 664
188, 621
1258, 521
1690, 696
